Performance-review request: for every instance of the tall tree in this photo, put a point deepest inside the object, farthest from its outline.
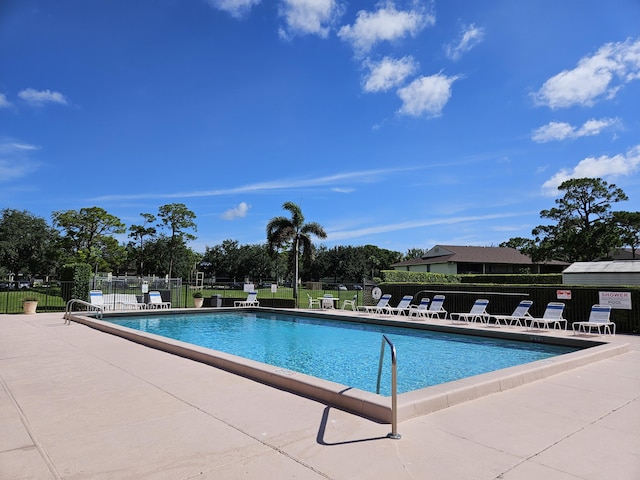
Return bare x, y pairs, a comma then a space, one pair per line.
583, 230
255, 262
628, 224
415, 253
526, 246
293, 232
88, 233
26, 243
139, 233
177, 218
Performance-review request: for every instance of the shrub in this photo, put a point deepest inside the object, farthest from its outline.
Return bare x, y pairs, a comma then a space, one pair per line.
79, 274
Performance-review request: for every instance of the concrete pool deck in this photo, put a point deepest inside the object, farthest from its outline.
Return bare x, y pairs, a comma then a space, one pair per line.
81, 404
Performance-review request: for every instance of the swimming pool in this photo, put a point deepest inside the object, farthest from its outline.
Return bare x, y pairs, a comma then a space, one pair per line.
355, 400
345, 352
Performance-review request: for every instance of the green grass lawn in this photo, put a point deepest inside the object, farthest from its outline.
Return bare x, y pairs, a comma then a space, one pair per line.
11, 301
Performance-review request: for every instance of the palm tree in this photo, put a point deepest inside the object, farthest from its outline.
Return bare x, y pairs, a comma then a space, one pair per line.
293, 231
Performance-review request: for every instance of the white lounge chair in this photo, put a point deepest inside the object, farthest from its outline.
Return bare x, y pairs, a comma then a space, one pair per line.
155, 300
420, 309
251, 301
519, 315
436, 308
552, 316
379, 307
97, 300
313, 302
122, 301
598, 318
350, 303
478, 313
402, 307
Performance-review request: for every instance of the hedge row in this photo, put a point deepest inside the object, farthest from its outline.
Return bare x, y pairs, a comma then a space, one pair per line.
399, 276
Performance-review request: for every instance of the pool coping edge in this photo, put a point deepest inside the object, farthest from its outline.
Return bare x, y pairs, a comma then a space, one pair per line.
367, 404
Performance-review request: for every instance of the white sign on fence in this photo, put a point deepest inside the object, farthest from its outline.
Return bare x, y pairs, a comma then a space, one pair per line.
621, 300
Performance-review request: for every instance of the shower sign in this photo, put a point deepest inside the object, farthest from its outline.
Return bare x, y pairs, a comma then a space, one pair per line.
621, 300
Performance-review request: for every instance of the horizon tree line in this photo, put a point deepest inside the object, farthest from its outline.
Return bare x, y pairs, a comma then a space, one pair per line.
584, 227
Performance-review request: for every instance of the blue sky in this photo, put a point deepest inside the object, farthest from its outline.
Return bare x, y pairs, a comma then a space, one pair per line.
400, 124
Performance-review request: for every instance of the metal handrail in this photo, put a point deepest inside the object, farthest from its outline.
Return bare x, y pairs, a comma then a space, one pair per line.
90, 306
394, 386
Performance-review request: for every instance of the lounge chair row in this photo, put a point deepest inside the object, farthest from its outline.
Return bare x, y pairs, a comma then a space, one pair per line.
125, 301
426, 308
552, 317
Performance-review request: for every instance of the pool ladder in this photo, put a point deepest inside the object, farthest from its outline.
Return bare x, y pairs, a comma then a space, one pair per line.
90, 307
394, 386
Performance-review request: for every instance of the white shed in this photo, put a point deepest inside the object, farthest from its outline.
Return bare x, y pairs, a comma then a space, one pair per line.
616, 272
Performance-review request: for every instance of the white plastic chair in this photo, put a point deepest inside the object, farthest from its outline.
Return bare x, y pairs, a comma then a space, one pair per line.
520, 314
379, 307
552, 316
155, 300
477, 313
420, 309
598, 319
401, 308
313, 302
97, 300
350, 303
251, 301
436, 308
327, 300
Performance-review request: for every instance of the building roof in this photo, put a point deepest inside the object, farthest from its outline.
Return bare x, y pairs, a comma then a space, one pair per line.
614, 266
472, 254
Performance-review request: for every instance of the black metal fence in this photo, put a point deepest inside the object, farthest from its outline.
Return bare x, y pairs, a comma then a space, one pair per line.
50, 297
224, 294
578, 300
459, 297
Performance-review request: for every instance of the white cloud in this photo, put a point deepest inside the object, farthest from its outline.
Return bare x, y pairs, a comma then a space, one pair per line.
14, 160
348, 178
386, 24
601, 167
39, 98
4, 103
235, 8
335, 235
303, 17
468, 38
593, 78
388, 73
562, 131
236, 212
13, 148
426, 95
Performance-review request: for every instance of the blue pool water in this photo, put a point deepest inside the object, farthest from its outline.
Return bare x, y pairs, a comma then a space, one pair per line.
345, 352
